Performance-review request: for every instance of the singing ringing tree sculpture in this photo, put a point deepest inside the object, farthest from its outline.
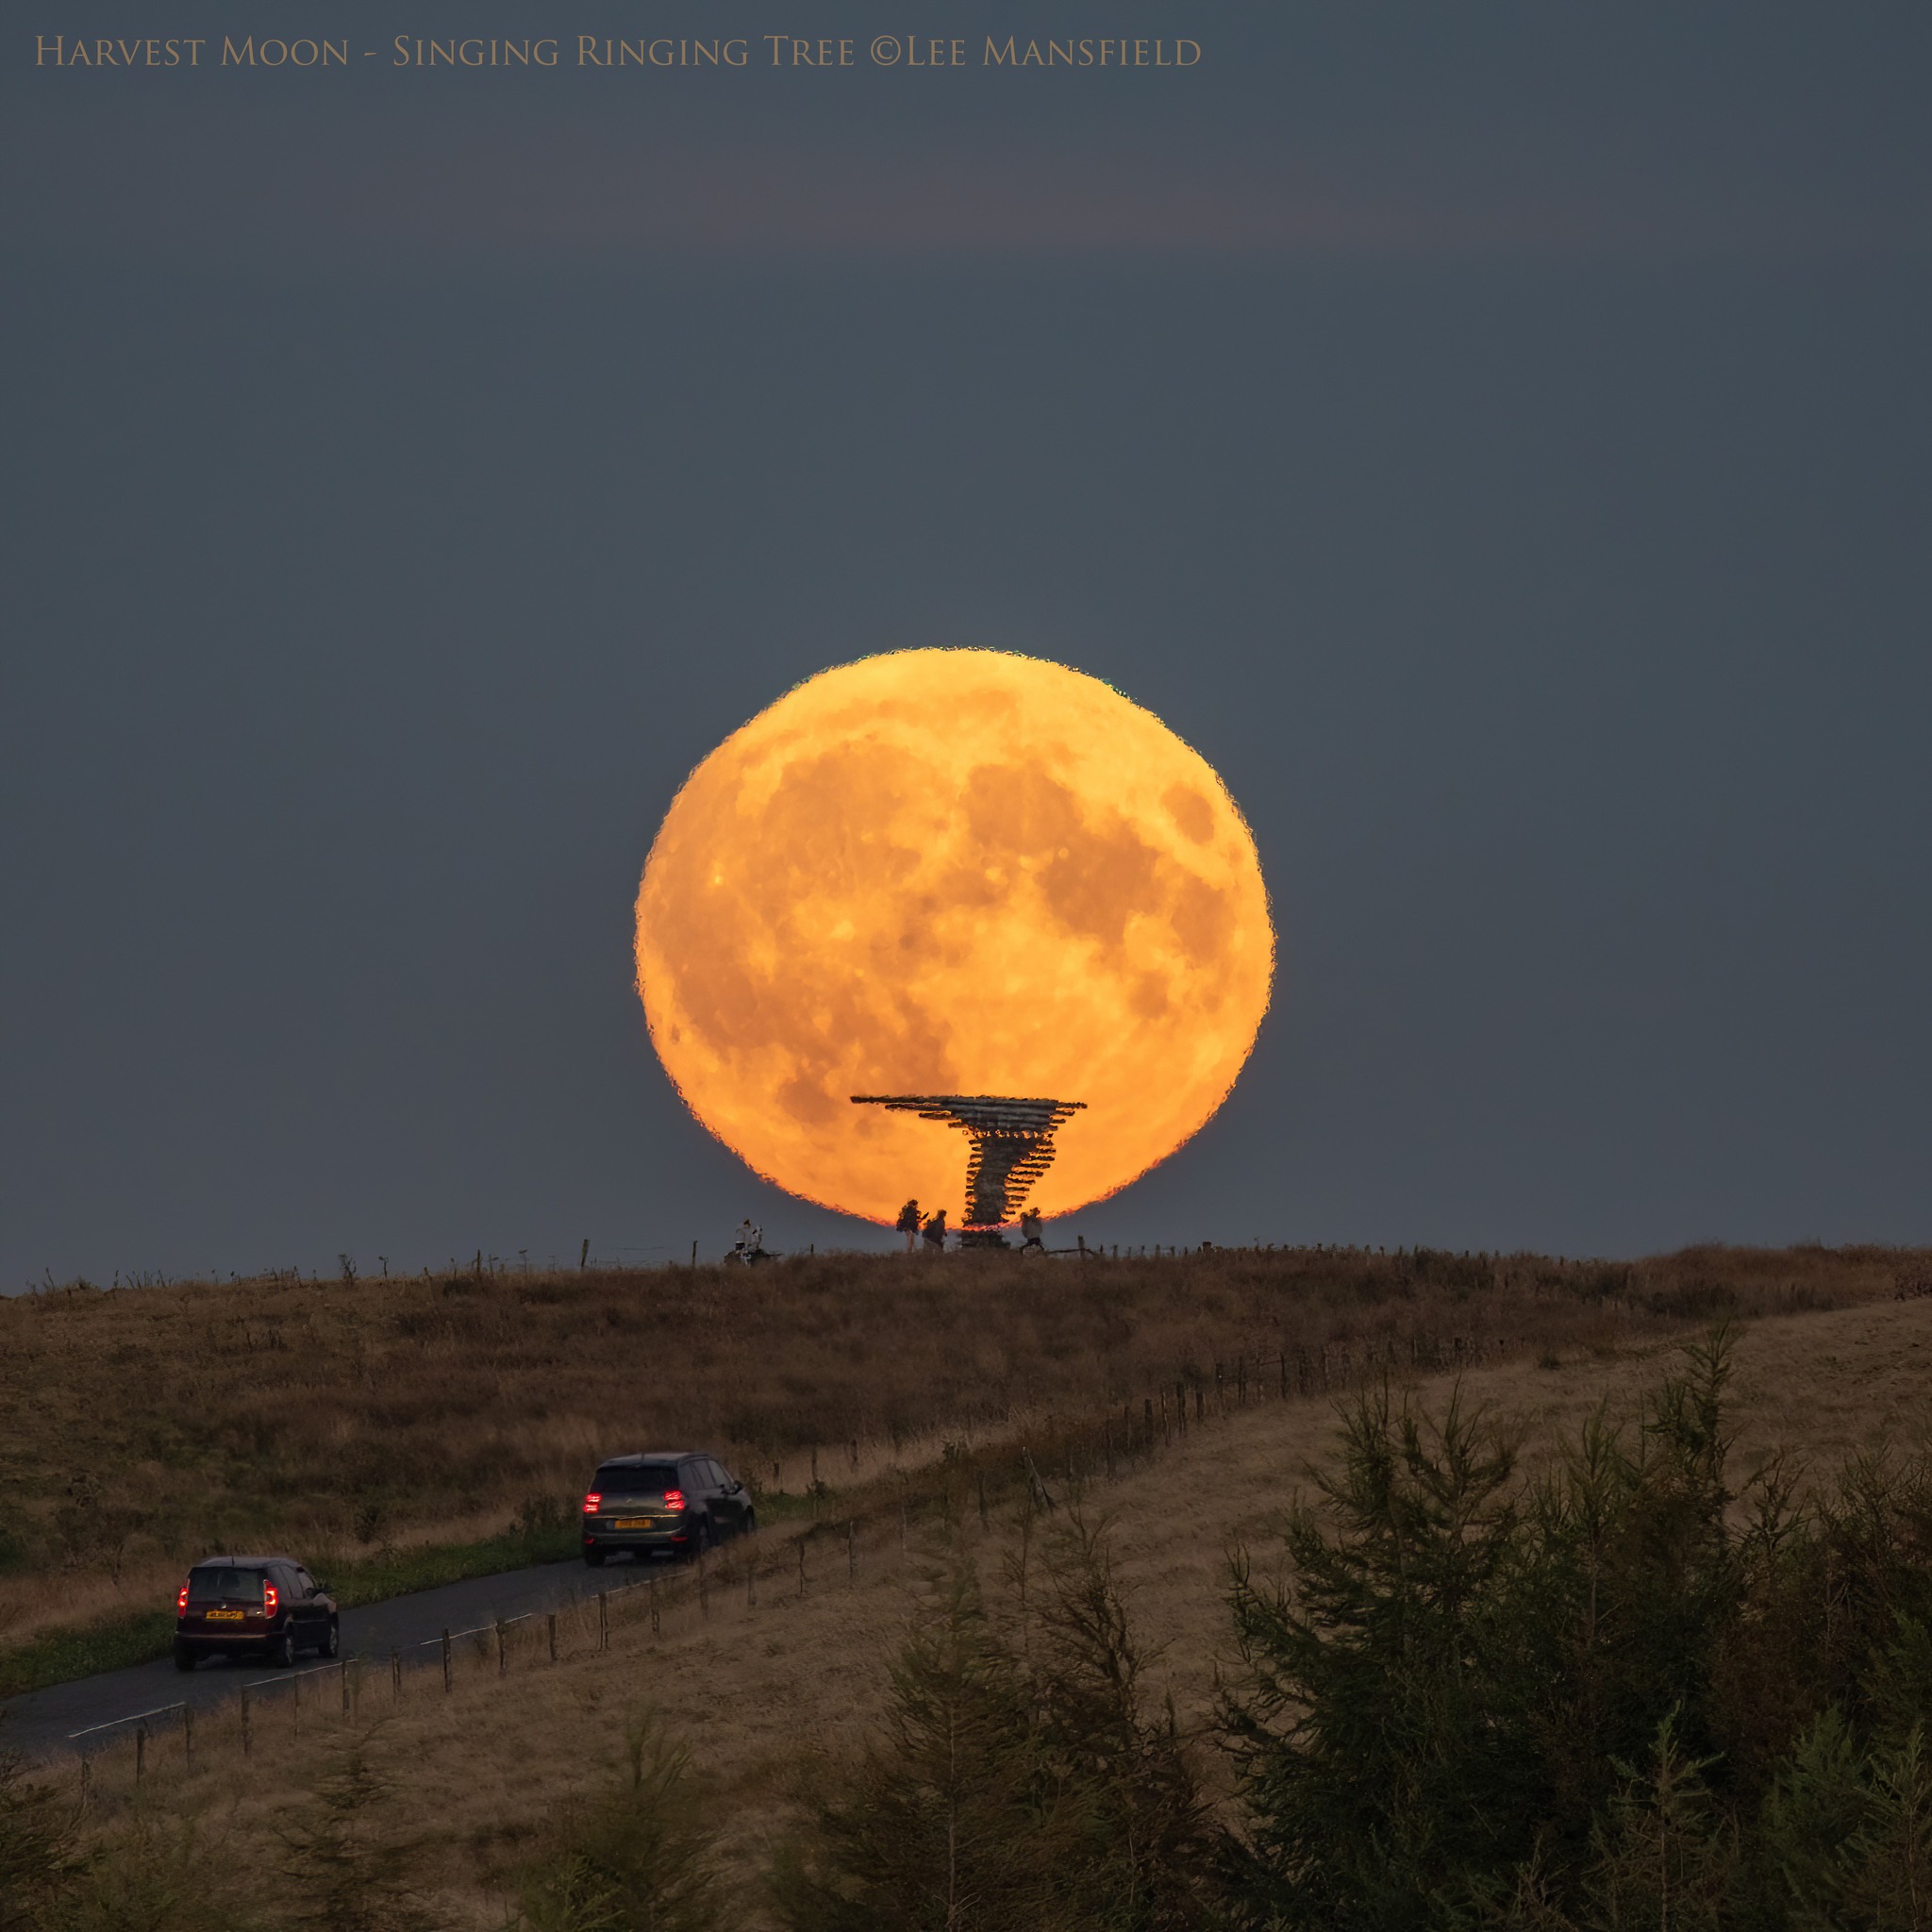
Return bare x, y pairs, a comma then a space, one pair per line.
1012, 1146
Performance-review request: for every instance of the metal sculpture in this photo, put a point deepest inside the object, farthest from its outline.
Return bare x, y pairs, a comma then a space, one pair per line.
1012, 1146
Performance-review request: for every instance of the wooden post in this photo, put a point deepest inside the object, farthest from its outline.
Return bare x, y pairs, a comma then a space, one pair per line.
296, 1700
1200, 1402
188, 1736
1147, 1420
751, 1582
902, 1529
657, 1629
247, 1735
694, 1253
344, 1669
584, 1253
982, 1499
1241, 1380
395, 1676
1105, 1448
1284, 1374
87, 1779
448, 1675
551, 1621
800, 1566
139, 1752
502, 1649
704, 1588
604, 1617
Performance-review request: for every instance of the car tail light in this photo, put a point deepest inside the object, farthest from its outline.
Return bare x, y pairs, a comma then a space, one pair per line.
592, 1502
181, 1601
269, 1600
674, 1499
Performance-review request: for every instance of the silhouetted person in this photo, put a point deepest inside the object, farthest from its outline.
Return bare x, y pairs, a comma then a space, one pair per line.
934, 1232
909, 1225
751, 1241
1030, 1225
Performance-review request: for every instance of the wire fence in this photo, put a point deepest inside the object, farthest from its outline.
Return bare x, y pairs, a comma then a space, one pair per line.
1028, 1465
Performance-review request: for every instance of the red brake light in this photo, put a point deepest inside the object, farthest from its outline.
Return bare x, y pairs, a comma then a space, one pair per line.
181, 1601
674, 1499
592, 1503
269, 1599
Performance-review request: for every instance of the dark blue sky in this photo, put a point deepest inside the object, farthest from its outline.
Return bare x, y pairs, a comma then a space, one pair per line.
1497, 438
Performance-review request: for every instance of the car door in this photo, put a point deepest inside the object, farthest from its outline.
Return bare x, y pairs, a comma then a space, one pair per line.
308, 1594
701, 1495
730, 1494
289, 1582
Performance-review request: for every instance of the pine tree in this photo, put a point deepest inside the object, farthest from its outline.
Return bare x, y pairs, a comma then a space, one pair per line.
1372, 1763
640, 1857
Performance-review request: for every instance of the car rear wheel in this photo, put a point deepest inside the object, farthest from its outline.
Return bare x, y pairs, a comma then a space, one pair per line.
331, 1643
751, 1522
186, 1657
281, 1649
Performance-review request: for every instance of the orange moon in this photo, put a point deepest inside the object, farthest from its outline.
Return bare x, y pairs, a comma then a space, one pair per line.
952, 872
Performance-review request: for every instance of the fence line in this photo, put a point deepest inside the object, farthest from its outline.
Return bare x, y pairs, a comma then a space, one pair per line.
1324, 1371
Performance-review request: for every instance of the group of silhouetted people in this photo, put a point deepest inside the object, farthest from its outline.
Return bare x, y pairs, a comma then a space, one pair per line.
931, 1229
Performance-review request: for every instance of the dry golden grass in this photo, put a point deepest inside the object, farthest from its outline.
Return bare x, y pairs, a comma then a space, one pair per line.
753, 1689
141, 1428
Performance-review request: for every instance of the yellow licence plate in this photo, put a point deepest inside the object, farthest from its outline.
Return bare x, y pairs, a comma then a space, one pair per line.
634, 1522
224, 1616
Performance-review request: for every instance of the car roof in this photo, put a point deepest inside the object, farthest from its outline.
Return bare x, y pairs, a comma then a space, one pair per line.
241, 1562
651, 1456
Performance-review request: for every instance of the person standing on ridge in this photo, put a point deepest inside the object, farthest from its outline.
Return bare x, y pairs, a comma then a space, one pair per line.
1030, 1225
908, 1224
934, 1231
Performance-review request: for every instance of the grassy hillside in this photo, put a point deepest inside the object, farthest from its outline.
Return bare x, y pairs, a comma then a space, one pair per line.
756, 1685
141, 1427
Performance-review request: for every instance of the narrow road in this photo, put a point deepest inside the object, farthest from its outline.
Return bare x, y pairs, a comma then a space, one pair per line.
41, 1722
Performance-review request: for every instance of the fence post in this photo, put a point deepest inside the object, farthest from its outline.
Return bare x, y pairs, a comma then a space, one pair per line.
800, 1566
851, 1539
87, 1779
551, 1621
751, 1583
295, 1701
982, 1499
656, 1627
139, 1752
502, 1649
1180, 1405
1241, 1380
1284, 1374
704, 1586
344, 1669
1200, 1402
188, 1736
247, 1736
603, 1613
448, 1675
395, 1676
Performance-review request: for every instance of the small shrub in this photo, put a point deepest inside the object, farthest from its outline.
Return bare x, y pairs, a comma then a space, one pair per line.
638, 1857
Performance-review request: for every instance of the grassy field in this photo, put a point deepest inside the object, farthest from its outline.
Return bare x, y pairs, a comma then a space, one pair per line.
766, 1690
403, 1429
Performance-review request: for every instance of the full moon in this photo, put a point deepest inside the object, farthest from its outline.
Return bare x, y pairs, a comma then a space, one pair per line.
952, 872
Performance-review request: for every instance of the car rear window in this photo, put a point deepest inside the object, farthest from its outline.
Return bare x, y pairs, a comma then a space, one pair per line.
212, 1586
636, 1479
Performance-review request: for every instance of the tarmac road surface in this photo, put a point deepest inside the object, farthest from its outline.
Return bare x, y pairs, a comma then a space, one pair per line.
41, 1722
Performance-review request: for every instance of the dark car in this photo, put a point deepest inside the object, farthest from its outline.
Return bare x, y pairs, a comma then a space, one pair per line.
676, 1500
253, 1606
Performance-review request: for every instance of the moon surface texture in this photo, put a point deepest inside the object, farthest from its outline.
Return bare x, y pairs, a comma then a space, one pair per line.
952, 872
